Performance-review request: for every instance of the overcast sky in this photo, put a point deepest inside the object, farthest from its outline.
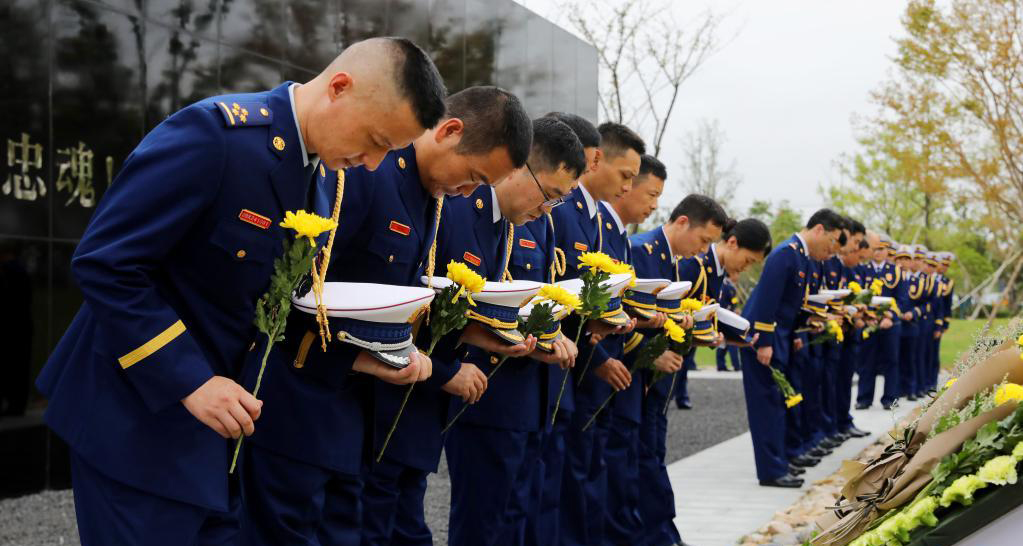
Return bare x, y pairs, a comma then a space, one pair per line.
783, 90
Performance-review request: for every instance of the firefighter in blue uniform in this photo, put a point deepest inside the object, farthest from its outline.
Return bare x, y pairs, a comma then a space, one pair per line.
693, 224
622, 451
304, 481
497, 440
911, 330
932, 300
834, 279
947, 286
883, 347
772, 309
852, 271
171, 266
577, 228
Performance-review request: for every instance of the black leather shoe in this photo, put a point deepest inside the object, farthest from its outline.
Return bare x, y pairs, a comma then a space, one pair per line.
795, 470
685, 404
787, 480
829, 443
819, 452
886, 406
857, 433
840, 437
911, 398
862, 406
805, 461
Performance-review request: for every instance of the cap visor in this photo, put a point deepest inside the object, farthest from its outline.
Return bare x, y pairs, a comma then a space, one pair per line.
639, 313
398, 358
617, 319
547, 345
512, 336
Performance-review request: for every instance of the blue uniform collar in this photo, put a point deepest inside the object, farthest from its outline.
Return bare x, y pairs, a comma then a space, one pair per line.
289, 179
298, 127
591, 205
410, 186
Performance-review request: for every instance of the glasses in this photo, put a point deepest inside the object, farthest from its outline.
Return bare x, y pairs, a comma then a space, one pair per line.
548, 202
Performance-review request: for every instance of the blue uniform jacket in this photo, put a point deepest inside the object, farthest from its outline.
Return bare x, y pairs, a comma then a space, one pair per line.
314, 407
776, 300
516, 397
729, 296
170, 267
575, 232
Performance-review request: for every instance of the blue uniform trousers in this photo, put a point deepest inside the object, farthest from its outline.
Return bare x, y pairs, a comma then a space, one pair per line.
925, 366
830, 363
494, 473
883, 358
543, 527
843, 384
795, 425
392, 506
813, 394
657, 500
583, 490
681, 392
909, 369
733, 354
621, 455
765, 411
932, 377
111, 513
285, 501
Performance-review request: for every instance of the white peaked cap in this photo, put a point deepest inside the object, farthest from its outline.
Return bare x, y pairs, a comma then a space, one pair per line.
675, 291
383, 303
733, 319
705, 311
650, 286
508, 294
836, 293
882, 300
820, 298
614, 286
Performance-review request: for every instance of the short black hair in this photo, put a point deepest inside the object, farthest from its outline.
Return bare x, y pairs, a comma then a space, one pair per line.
751, 234
418, 82
649, 164
493, 117
616, 138
701, 209
586, 131
854, 226
555, 145
864, 243
828, 218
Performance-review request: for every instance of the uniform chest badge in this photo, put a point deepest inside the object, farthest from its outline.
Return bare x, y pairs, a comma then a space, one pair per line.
802, 275
526, 243
400, 228
257, 220
888, 276
581, 247
471, 258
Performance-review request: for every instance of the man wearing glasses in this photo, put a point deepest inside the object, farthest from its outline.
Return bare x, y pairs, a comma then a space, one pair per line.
493, 449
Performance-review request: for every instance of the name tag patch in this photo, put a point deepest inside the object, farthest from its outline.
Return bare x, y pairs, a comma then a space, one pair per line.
526, 243
471, 258
581, 247
258, 220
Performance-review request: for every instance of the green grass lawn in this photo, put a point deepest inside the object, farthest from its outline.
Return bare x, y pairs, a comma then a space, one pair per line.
956, 340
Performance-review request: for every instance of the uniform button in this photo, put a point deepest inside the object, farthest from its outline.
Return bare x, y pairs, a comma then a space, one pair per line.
493, 360
390, 258
264, 111
401, 162
529, 266
240, 254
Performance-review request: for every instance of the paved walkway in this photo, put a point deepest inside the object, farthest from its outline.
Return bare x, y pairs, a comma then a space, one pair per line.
717, 497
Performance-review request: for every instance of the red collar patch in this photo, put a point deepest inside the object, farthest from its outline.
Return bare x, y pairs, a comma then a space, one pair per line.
400, 228
257, 220
471, 258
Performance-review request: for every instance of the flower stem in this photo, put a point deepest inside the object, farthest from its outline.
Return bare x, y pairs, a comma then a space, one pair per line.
557, 405
671, 391
466, 405
404, 401
255, 391
600, 409
586, 367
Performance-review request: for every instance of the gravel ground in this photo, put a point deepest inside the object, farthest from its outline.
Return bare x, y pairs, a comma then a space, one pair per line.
48, 518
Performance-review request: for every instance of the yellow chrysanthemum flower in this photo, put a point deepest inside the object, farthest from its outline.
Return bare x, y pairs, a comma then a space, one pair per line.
1017, 452
854, 286
690, 305
866, 334
999, 470
674, 331
307, 224
962, 490
877, 286
469, 282
1009, 392
560, 296
1019, 340
951, 382
599, 261
793, 400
